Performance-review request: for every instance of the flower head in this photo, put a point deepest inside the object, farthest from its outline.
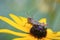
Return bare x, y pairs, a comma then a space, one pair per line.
21, 23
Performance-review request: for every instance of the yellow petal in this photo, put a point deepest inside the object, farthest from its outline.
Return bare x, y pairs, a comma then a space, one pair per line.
20, 39
16, 19
5, 19
27, 29
24, 39
58, 34
50, 33
12, 32
43, 20
29, 37
56, 38
45, 39
53, 38
26, 24
21, 21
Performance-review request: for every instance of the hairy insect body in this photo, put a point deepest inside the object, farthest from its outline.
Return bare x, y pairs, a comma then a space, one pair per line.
37, 29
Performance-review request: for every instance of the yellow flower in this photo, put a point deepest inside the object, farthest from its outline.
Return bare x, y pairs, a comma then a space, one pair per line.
21, 23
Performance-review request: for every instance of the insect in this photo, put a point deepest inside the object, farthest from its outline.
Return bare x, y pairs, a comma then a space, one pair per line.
38, 30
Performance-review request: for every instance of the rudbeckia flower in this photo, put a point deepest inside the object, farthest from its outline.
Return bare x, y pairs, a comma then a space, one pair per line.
21, 23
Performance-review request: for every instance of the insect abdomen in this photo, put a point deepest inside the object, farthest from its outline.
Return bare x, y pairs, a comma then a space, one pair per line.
38, 31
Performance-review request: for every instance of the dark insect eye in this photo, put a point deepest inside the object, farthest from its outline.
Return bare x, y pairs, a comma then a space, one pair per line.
38, 31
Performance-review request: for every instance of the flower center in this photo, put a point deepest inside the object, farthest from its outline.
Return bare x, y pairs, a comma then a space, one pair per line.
38, 31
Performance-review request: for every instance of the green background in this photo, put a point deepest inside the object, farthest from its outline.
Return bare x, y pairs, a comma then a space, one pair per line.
21, 7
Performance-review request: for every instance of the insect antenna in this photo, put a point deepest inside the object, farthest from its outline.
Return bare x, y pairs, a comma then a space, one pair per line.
27, 14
